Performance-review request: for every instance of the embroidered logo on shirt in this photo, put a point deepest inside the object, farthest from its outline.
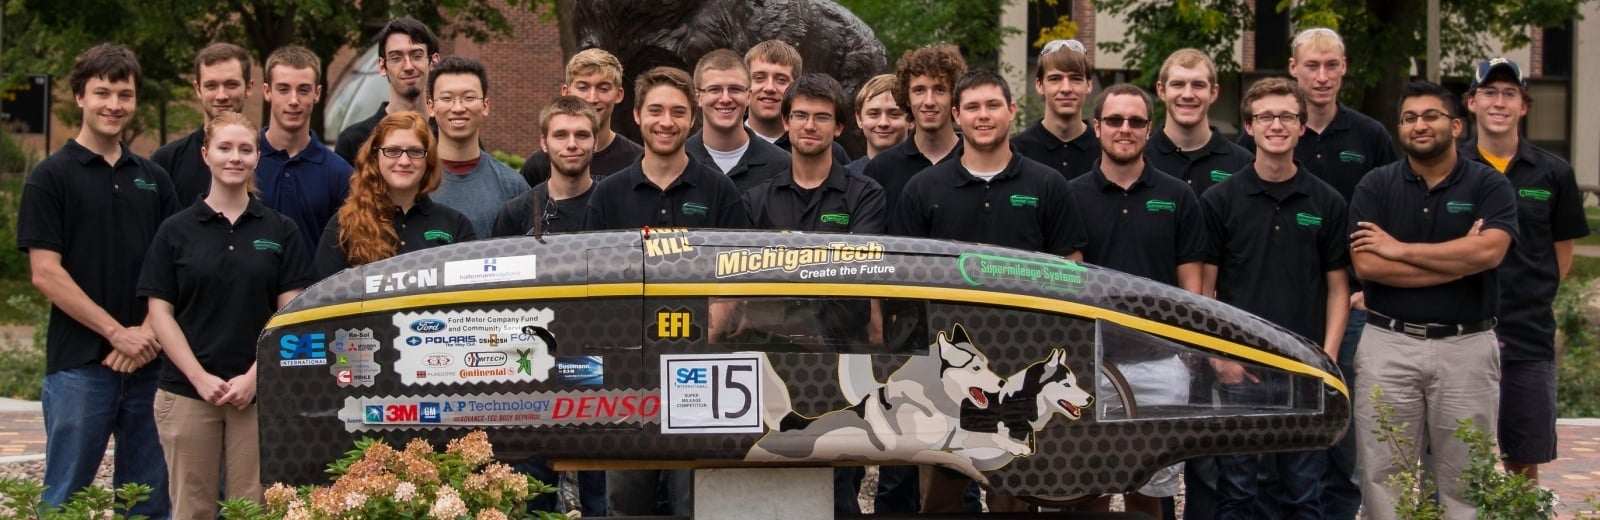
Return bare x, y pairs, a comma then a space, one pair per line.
1456, 206
842, 219
1529, 193
268, 245
1018, 201
434, 234
144, 185
1155, 205
690, 208
1219, 175
1351, 157
1307, 220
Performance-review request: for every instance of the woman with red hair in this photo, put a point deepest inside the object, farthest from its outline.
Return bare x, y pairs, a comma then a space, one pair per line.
388, 211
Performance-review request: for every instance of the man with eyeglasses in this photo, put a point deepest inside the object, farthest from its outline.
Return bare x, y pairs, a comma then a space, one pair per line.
1426, 236
925, 76
407, 49
988, 195
1148, 224
297, 174
774, 65
1277, 248
1188, 146
595, 76
723, 84
1550, 210
568, 128
1062, 139
474, 182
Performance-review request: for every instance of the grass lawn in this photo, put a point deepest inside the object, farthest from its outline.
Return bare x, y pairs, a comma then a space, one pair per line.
1594, 223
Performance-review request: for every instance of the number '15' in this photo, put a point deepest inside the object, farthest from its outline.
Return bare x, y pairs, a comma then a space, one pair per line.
716, 397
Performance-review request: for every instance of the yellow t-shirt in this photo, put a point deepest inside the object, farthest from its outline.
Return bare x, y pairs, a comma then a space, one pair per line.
1499, 163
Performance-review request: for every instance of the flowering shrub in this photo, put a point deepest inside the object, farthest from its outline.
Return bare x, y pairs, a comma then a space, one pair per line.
376, 481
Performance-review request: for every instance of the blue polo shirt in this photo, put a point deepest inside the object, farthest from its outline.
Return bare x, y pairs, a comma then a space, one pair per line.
308, 188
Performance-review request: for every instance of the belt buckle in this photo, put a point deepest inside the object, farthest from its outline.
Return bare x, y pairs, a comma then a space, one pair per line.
1414, 330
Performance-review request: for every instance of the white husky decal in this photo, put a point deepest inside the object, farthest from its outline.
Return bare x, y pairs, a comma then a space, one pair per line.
949, 409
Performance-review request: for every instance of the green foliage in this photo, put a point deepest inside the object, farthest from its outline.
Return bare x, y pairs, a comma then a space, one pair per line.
1578, 370
19, 500
1415, 485
24, 360
513, 160
1496, 494
1156, 28
903, 25
14, 158
13, 262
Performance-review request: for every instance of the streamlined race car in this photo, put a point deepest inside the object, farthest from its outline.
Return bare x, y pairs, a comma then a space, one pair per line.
1036, 375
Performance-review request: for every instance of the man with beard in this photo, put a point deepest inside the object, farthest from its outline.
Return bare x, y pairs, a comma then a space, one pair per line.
1148, 224
1188, 147
1426, 236
1550, 210
568, 127
595, 76
773, 66
1276, 249
298, 175
1062, 139
926, 76
988, 195
723, 141
406, 50
882, 116
222, 82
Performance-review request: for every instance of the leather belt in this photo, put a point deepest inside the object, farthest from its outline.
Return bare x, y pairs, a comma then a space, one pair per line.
1429, 330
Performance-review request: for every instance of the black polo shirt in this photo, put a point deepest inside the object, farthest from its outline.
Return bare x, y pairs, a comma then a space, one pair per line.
223, 280
516, 217
101, 218
622, 153
186, 165
1027, 206
701, 197
895, 167
428, 224
1147, 230
1200, 169
845, 202
840, 156
1072, 158
1399, 201
761, 160
1273, 254
1352, 145
348, 144
1549, 210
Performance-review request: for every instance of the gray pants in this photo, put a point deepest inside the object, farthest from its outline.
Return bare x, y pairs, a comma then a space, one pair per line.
1432, 384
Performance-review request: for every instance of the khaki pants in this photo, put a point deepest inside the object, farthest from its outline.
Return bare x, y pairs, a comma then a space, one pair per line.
198, 438
1432, 384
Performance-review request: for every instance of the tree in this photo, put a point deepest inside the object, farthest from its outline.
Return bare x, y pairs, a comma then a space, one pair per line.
974, 25
1157, 28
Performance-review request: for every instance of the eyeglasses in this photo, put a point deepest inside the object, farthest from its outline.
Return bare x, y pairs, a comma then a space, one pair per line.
1267, 119
1429, 117
1137, 123
1056, 45
802, 117
417, 56
393, 152
466, 101
734, 90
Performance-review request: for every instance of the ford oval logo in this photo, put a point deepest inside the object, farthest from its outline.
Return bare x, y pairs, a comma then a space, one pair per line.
484, 359
437, 360
428, 326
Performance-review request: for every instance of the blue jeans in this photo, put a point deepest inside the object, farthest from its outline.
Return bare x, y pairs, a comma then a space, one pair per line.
1292, 487
85, 406
1341, 493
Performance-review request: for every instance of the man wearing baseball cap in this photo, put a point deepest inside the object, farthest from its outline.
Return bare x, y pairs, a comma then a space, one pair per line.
1550, 216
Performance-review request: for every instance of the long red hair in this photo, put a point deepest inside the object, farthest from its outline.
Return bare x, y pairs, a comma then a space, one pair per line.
366, 220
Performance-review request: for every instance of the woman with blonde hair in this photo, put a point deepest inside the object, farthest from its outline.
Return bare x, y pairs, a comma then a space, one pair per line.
214, 275
388, 211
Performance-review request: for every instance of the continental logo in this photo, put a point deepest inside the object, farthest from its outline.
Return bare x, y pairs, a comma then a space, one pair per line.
1024, 201
1456, 206
268, 245
1533, 194
1351, 157
1155, 205
442, 236
842, 219
747, 261
1307, 220
1219, 175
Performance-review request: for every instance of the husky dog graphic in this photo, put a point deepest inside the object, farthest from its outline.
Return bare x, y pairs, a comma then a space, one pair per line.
948, 408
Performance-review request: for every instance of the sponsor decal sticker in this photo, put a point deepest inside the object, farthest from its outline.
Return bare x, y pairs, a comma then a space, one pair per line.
355, 362
600, 408
404, 280
834, 260
581, 370
659, 242
303, 349
711, 393
491, 270
1064, 276
676, 323
498, 346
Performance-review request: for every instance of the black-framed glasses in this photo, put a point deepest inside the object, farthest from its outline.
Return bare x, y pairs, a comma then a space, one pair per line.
393, 152
1267, 119
1429, 117
1136, 123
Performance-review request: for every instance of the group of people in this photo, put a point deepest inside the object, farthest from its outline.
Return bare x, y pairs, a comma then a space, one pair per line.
1425, 274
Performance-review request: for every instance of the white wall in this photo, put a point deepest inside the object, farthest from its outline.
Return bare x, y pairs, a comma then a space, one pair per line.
1586, 113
